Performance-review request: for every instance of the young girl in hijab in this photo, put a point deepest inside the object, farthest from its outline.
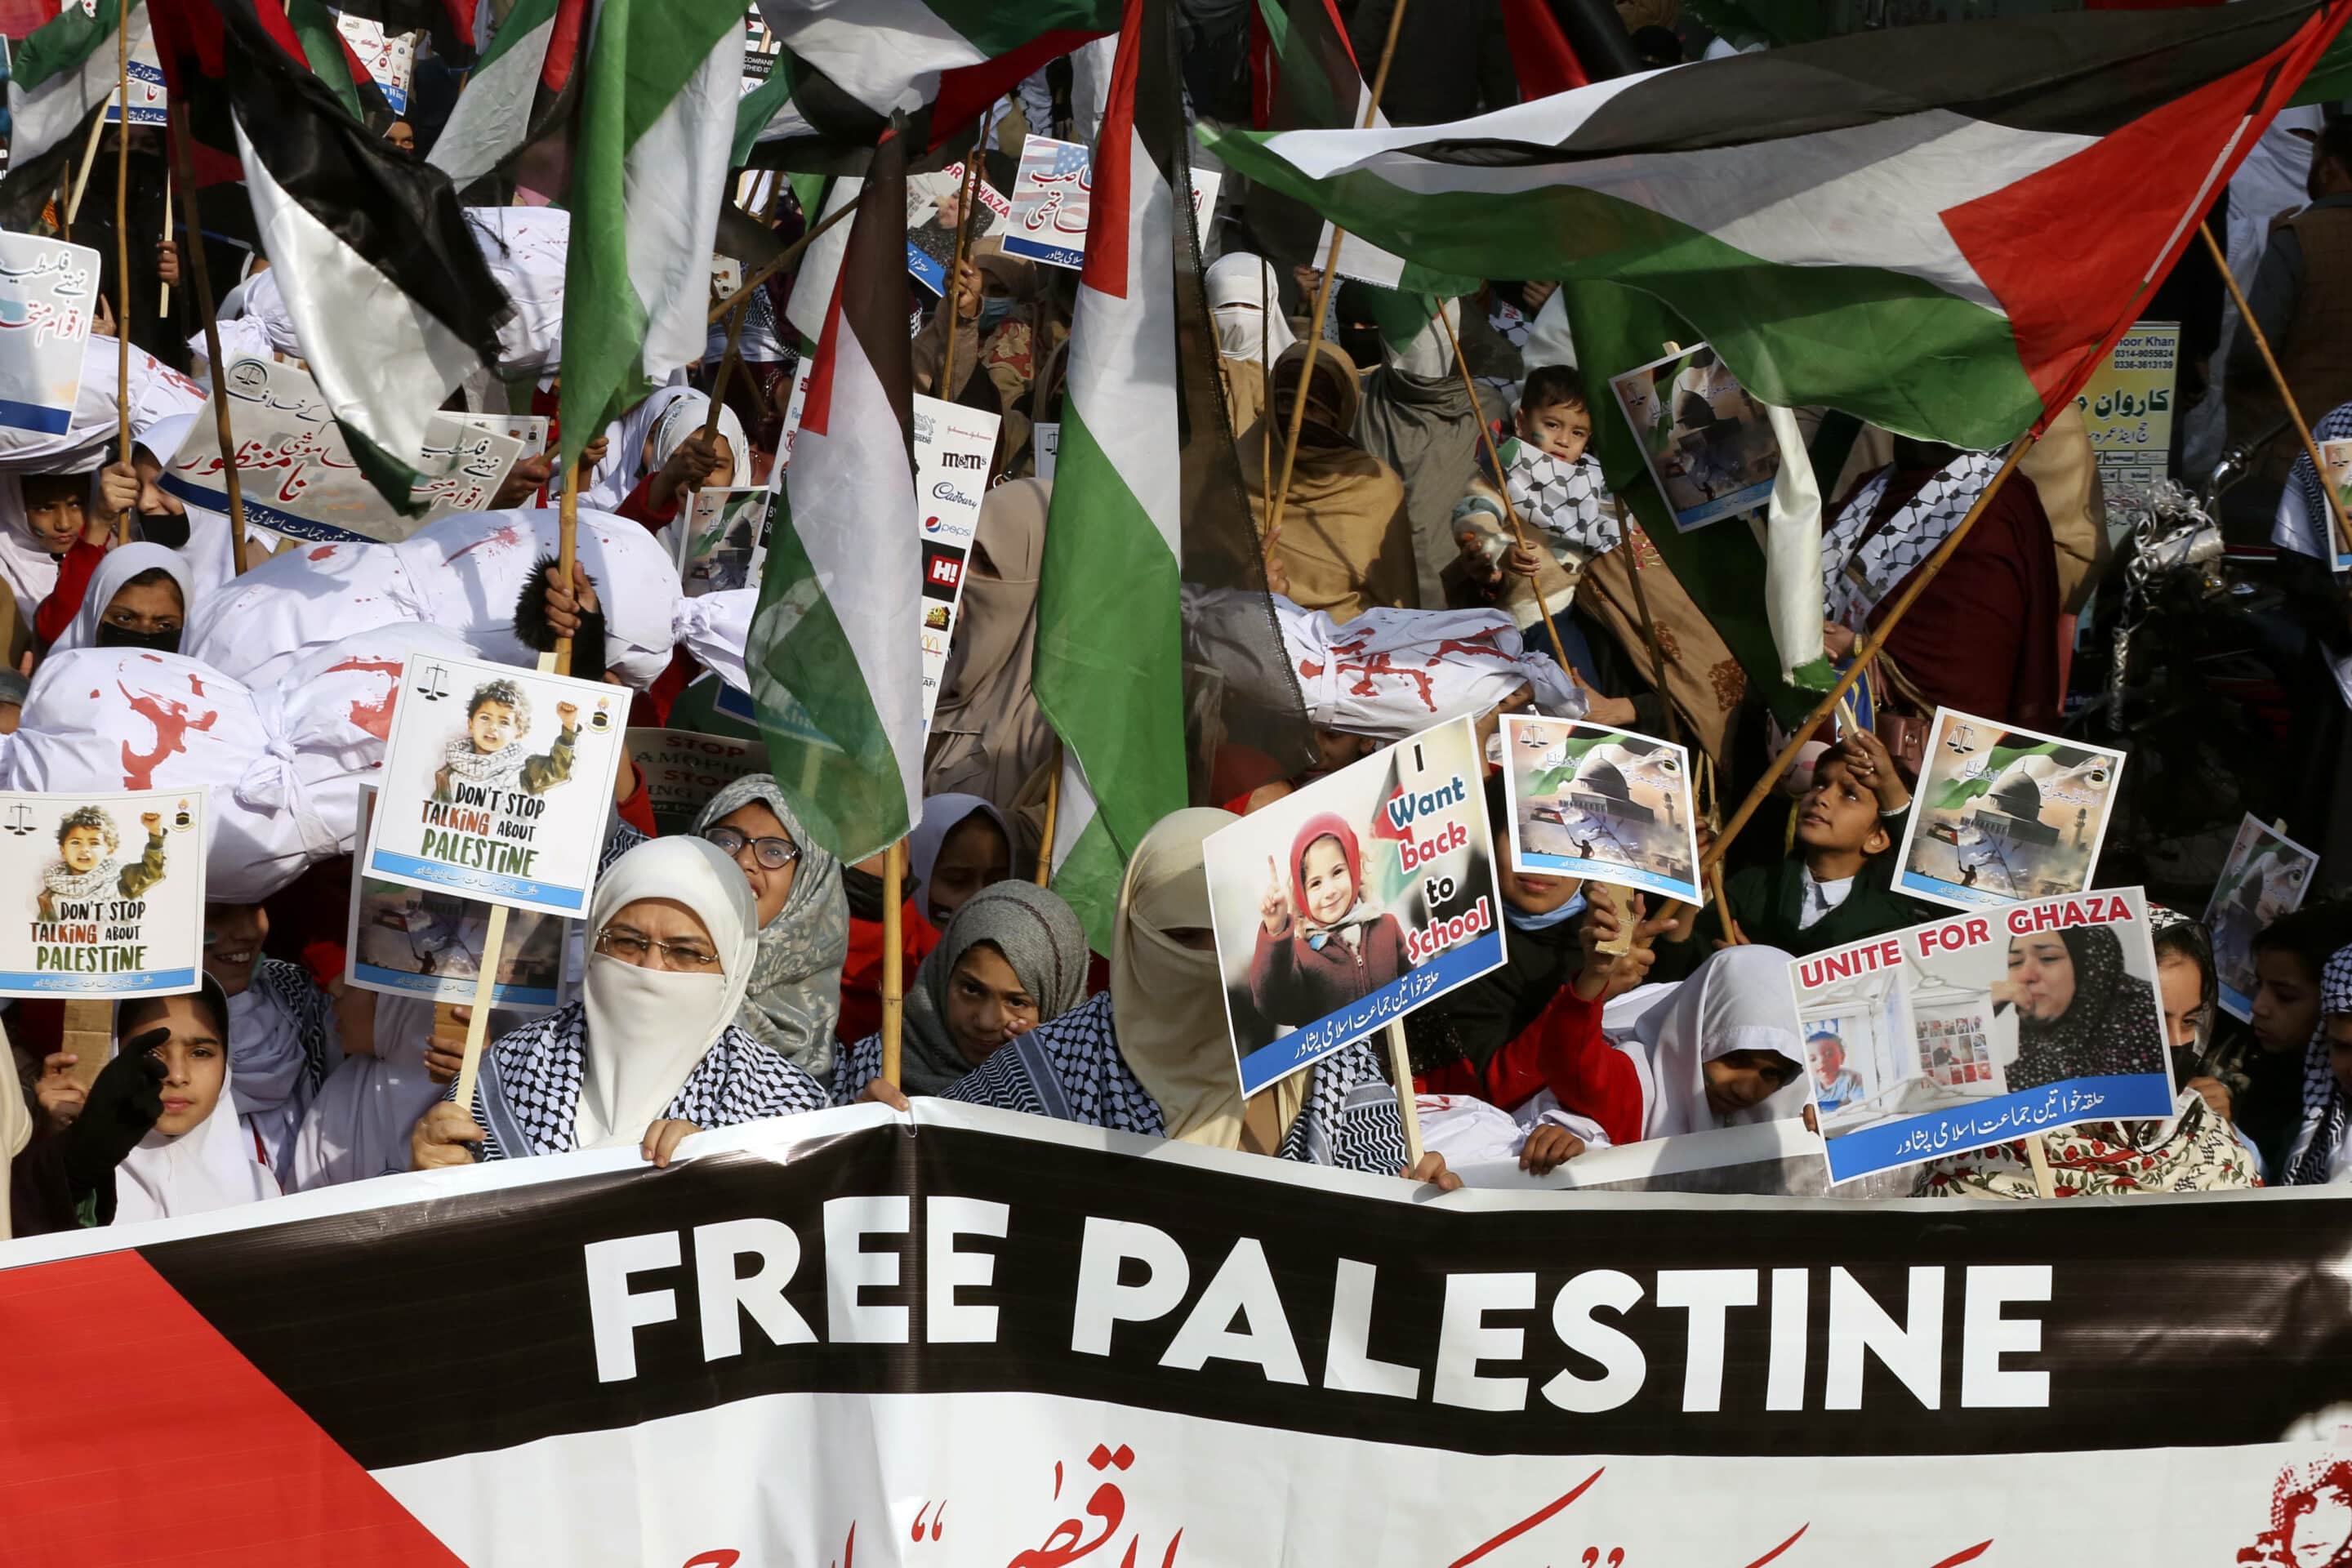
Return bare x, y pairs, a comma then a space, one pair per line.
679, 460
2321, 1153
1320, 945
651, 1053
198, 1157
961, 845
2079, 1013
139, 597
54, 530
1151, 1055
1014, 957
794, 993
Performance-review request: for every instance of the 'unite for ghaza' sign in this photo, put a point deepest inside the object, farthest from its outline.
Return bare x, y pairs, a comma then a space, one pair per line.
108, 892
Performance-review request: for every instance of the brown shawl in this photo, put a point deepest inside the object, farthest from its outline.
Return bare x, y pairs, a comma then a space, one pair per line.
1346, 539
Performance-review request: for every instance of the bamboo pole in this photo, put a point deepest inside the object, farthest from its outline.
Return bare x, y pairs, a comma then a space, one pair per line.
791, 253
727, 370
1867, 651
944, 389
567, 551
1323, 298
164, 302
894, 958
1053, 809
2294, 412
200, 271
81, 179
123, 255
1400, 1070
1510, 512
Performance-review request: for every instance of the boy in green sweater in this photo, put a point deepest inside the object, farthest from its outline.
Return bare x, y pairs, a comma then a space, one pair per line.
1836, 885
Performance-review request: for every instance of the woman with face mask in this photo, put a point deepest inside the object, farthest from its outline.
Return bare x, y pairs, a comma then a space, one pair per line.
1346, 543
140, 597
651, 1053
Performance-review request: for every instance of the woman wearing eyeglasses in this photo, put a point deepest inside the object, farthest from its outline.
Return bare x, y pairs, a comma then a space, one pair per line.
651, 1051
795, 989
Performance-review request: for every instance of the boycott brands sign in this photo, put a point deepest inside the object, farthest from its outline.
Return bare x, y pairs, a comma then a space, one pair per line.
822, 1338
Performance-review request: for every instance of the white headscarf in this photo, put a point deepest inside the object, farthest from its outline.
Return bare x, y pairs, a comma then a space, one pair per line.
648, 1028
610, 482
1739, 1000
213, 1165
121, 565
31, 571
943, 814
683, 415
1245, 301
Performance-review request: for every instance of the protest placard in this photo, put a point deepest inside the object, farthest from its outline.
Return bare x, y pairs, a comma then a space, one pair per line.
1347, 904
1053, 198
1045, 446
680, 771
1707, 443
149, 104
931, 202
2265, 877
299, 476
2003, 814
1608, 805
389, 58
497, 782
2127, 405
725, 530
108, 891
1981, 1027
531, 429
795, 402
1362, 260
952, 448
48, 290
411, 941
2337, 456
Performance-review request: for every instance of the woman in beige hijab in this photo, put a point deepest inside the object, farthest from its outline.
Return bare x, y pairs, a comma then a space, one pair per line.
987, 734
1151, 1055
1346, 540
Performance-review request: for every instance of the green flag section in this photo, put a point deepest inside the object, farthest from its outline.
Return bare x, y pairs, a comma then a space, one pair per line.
657, 114
1940, 229
61, 75
835, 651
516, 92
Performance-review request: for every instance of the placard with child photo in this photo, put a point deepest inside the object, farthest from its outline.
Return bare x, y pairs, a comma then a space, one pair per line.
1606, 804
410, 941
112, 893
496, 784
2004, 813
1707, 443
1353, 900
2265, 878
1981, 1028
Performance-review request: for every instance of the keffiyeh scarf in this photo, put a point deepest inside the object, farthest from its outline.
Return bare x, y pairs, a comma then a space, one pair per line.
795, 991
1569, 501
2324, 1108
528, 1098
90, 884
474, 767
1856, 576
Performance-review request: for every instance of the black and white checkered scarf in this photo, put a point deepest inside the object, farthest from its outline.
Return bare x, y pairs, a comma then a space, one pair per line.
1854, 579
2324, 1107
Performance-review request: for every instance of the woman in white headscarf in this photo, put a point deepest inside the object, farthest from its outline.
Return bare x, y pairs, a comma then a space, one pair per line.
648, 464
140, 596
651, 1053
1246, 302
1151, 1055
198, 1156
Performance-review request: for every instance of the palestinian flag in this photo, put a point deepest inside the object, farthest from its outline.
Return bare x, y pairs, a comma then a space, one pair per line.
1938, 228
450, 23
657, 91
335, 62
390, 296
62, 75
835, 654
1148, 500
845, 70
520, 90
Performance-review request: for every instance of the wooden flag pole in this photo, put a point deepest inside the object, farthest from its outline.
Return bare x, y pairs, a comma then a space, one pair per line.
556, 661
1486, 434
1626, 525
122, 256
164, 303
944, 389
791, 253
200, 271
1298, 420
1053, 808
726, 370
1867, 651
1401, 1071
894, 977
2294, 412
81, 177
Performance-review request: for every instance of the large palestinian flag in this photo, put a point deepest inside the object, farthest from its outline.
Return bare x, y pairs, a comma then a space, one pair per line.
1937, 228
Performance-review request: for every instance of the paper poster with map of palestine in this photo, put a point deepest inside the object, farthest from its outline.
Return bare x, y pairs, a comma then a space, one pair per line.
104, 893
2002, 815
497, 782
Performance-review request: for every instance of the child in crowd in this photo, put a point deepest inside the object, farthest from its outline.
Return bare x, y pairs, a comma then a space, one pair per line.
1554, 420
1321, 943
1836, 885
489, 754
2264, 1069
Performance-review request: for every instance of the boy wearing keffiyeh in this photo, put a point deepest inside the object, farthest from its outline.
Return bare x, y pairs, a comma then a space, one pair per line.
489, 754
